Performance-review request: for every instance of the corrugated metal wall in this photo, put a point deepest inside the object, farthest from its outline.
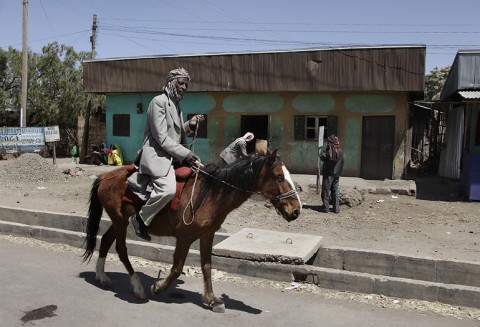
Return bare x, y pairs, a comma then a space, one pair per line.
349, 69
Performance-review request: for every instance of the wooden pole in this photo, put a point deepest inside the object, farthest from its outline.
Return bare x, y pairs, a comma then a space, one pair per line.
23, 98
54, 153
321, 132
86, 126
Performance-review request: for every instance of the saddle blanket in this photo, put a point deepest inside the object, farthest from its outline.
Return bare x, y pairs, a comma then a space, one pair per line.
139, 197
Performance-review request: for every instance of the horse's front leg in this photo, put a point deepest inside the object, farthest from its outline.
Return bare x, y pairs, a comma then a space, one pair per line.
179, 256
209, 297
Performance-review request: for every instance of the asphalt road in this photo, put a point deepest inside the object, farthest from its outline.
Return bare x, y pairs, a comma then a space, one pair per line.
41, 287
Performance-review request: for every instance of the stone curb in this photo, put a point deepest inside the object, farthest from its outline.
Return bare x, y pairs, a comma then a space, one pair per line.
335, 268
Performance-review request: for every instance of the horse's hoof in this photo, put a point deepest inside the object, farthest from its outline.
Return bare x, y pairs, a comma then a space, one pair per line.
218, 307
140, 295
152, 289
104, 280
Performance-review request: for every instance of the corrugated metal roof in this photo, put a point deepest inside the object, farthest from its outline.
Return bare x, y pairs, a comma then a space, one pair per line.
469, 94
391, 69
464, 74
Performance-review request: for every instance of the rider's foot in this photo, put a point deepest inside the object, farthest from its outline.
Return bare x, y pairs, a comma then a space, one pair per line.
140, 227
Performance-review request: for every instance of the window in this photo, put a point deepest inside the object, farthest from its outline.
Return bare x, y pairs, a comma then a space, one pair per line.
306, 127
202, 127
121, 125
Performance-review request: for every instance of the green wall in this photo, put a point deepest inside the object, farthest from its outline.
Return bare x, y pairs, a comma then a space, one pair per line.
224, 112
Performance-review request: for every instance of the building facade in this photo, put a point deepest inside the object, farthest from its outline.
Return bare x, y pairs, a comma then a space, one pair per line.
361, 94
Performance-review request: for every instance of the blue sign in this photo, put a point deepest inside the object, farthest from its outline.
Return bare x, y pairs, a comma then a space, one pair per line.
22, 139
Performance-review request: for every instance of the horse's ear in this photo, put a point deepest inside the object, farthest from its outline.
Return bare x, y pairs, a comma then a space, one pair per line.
272, 157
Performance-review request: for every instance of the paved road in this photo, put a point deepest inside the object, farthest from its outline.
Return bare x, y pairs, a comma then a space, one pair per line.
42, 287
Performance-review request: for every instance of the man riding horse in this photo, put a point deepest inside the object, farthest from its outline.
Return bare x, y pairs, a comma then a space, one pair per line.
164, 134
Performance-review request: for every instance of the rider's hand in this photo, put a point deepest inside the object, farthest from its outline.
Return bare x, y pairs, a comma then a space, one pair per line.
191, 159
195, 120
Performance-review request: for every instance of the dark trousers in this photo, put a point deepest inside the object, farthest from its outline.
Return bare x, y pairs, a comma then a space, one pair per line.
330, 187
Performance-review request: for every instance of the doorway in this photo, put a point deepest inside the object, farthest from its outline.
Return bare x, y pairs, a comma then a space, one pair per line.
258, 125
378, 135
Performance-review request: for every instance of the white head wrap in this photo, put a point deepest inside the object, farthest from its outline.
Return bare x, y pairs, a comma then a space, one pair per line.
170, 80
248, 136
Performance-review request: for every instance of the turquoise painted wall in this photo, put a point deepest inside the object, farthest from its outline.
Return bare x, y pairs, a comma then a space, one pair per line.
127, 103
365, 103
318, 103
224, 112
253, 103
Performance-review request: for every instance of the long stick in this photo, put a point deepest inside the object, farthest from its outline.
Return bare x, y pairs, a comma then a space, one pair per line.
321, 131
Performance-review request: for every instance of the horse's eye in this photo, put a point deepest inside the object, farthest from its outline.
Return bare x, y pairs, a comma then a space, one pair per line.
280, 178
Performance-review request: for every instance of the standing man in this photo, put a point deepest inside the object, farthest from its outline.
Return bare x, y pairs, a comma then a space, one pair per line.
332, 157
162, 146
237, 149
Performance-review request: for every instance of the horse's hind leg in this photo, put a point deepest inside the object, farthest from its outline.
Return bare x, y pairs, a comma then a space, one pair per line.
181, 251
121, 247
106, 243
209, 297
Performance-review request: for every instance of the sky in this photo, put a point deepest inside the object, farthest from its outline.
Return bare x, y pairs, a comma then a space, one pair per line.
160, 27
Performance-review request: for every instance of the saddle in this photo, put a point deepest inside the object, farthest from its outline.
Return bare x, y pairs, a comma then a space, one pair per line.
182, 173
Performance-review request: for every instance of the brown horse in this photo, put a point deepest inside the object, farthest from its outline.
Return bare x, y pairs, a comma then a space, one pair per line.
210, 194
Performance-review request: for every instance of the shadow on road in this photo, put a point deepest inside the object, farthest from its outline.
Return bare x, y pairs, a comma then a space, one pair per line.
122, 290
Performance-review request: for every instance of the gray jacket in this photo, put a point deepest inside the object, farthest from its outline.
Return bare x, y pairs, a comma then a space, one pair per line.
236, 150
164, 134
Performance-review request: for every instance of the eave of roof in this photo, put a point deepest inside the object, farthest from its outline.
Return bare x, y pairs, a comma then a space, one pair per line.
352, 47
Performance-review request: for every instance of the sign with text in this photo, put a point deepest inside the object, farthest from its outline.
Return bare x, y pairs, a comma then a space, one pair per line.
52, 134
22, 139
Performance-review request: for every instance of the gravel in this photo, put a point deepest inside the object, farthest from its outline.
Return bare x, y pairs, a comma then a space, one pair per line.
30, 168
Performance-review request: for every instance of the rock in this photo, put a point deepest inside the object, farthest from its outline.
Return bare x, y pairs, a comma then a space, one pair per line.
351, 197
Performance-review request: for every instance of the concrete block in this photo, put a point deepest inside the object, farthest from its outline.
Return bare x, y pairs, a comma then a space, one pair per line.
414, 268
406, 288
330, 258
460, 295
270, 246
345, 281
367, 262
456, 272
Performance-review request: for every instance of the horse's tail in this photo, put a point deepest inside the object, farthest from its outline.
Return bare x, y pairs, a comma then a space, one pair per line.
95, 211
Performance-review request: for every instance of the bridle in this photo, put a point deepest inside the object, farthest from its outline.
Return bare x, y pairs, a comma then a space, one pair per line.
278, 197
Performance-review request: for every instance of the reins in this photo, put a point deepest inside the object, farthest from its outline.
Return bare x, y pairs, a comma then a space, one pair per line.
279, 197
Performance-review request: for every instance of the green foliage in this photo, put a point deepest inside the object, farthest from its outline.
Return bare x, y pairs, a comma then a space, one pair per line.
434, 83
55, 87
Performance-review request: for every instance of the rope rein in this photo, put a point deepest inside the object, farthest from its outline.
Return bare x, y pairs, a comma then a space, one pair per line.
279, 197
190, 202
197, 170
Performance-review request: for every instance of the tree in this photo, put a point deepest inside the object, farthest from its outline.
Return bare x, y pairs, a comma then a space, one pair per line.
55, 87
434, 83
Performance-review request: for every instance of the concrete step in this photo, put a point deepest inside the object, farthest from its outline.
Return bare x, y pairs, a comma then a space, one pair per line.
345, 269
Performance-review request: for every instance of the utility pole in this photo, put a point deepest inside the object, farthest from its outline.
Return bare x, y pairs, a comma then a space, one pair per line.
86, 126
23, 98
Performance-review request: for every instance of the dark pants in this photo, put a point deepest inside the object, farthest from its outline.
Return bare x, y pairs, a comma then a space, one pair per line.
330, 186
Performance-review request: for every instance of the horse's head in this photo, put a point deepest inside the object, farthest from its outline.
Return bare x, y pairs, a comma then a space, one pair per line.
275, 184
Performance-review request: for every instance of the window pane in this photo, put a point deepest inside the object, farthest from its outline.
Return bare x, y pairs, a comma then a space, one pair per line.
310, 134
311, 122
121, 125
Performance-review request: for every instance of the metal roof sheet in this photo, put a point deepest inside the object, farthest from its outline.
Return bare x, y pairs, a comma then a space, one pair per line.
469, 94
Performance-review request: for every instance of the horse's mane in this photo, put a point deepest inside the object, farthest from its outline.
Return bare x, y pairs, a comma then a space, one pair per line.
241, 176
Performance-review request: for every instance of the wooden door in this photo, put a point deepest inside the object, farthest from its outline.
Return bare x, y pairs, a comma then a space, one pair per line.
378, 136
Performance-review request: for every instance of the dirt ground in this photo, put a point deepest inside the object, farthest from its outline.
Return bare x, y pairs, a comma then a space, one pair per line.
444, 228
434, 224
